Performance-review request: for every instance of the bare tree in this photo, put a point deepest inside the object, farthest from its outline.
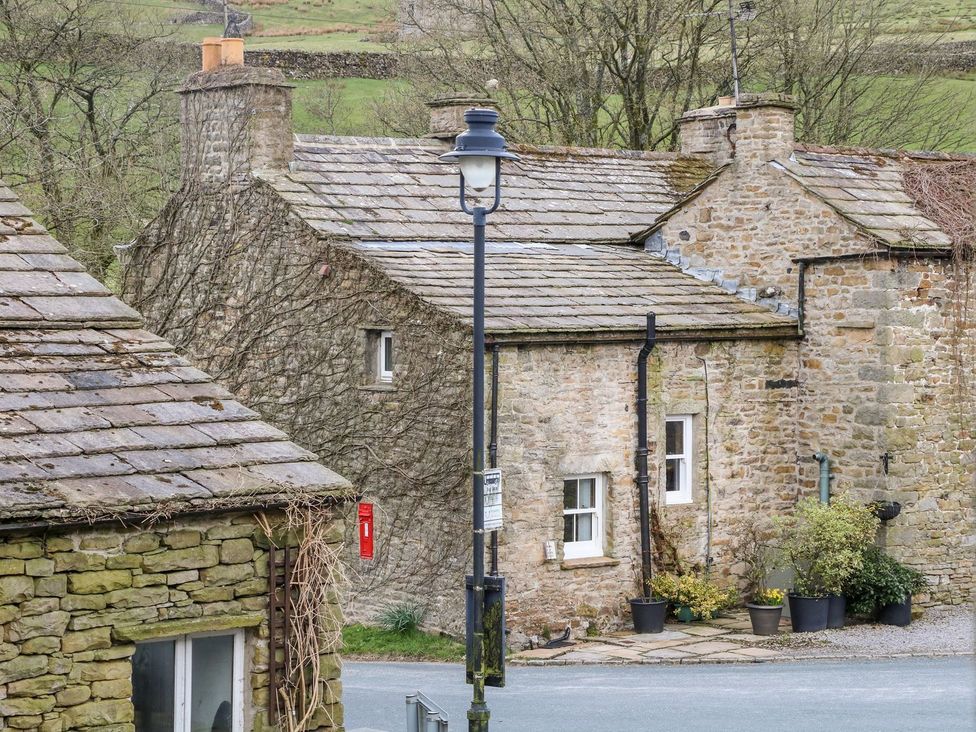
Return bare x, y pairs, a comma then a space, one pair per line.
87, 129
833, 55
621, 72
577, 72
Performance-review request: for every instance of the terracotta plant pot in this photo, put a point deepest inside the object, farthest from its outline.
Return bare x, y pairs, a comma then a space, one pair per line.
648, 615
765, 618
808, 614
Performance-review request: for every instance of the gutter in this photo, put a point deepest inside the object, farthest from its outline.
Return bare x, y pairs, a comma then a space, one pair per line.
596, 337
135, 519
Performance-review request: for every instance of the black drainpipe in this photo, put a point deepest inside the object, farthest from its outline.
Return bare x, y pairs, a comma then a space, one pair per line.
645, 518
493, 446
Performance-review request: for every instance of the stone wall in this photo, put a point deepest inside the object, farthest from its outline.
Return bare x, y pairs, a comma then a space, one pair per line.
885, 368
284, 319
73, 603
568, 410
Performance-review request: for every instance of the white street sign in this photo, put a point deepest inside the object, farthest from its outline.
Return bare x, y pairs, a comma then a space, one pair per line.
493, 499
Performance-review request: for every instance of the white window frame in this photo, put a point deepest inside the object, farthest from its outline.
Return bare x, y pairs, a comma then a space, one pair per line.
183, 673
595, 546
383, 374
683, 494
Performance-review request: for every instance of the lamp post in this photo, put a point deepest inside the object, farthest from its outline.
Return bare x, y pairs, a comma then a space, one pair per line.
479, 152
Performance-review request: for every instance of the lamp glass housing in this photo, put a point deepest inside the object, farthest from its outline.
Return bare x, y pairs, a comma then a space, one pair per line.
478, 171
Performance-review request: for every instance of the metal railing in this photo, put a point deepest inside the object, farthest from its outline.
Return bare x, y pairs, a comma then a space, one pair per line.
423, 715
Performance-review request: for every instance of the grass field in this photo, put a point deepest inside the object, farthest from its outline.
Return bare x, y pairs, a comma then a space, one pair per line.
311, 25
367, 642
353, 103
365, 25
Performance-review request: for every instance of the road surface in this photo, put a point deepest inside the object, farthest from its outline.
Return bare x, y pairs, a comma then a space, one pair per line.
815, 696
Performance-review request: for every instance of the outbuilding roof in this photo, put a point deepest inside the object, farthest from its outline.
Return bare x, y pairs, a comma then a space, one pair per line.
868, 188
397, 190
540, 287
99, 418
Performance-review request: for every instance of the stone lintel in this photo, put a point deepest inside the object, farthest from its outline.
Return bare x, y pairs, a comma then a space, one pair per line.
170, 628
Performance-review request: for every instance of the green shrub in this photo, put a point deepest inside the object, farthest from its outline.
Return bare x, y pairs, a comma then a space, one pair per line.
880, 580
824, 543
703, 598
403, 618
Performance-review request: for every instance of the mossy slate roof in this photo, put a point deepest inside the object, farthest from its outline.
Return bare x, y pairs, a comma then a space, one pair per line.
397, 190
868, 188
570, 288
100, 418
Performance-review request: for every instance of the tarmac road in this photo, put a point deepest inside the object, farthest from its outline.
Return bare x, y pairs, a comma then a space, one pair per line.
913, 694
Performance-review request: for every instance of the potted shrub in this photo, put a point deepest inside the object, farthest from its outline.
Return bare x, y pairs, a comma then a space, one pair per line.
753, 550
883, 588
647, 610
765, 611
824, 544
692, 596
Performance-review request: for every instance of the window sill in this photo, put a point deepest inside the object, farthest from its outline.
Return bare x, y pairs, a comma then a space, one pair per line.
378, 387
589, 563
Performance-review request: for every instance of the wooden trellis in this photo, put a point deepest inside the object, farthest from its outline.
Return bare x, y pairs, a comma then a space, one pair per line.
279, 625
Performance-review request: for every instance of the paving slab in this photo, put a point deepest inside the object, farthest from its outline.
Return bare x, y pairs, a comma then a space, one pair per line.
543, 654
667, 653
663, 644
726, 656
759, 653
705, 631
707, 647
746, 637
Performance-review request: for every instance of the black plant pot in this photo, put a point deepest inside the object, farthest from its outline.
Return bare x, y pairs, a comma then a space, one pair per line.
765, 618
836, 610
808, 614
899, 613
648, 614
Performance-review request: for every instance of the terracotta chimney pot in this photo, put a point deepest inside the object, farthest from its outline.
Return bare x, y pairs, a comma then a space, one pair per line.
211, 53
232, 51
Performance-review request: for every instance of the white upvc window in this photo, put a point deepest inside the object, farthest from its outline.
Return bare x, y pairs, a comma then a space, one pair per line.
384, 357
677, 459
583, 516
192, 683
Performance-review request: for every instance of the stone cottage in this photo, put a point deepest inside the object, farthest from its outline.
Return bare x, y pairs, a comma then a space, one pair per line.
152, 528
805, 304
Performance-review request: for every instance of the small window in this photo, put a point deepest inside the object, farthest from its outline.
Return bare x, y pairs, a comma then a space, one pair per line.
677, 459
384, 357
583, 517
189, 684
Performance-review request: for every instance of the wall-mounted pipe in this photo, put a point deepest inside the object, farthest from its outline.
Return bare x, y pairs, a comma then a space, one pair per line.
824, 460
645, 511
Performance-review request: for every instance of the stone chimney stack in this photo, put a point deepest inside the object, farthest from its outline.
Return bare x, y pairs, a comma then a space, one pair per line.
756, 130
764, 127
234, 119
709, 132
447, 115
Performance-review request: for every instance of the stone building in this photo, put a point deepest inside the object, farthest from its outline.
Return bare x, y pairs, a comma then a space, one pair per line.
143, 516
805, 303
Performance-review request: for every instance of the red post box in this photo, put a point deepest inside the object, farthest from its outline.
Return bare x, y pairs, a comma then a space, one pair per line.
365, 530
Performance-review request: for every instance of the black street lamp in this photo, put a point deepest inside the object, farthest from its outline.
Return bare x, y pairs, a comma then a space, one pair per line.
479, 151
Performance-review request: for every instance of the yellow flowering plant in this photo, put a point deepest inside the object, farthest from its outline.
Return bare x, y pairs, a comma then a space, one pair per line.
771, 597
700, 596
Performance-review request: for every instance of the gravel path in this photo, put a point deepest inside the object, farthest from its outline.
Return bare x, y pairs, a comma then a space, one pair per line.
939, 632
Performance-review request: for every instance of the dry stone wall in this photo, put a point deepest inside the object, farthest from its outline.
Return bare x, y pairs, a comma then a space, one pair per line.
73, 604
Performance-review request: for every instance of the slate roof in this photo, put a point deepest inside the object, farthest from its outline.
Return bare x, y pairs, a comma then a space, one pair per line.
397, 190
867, 187
553, 288
99, 417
